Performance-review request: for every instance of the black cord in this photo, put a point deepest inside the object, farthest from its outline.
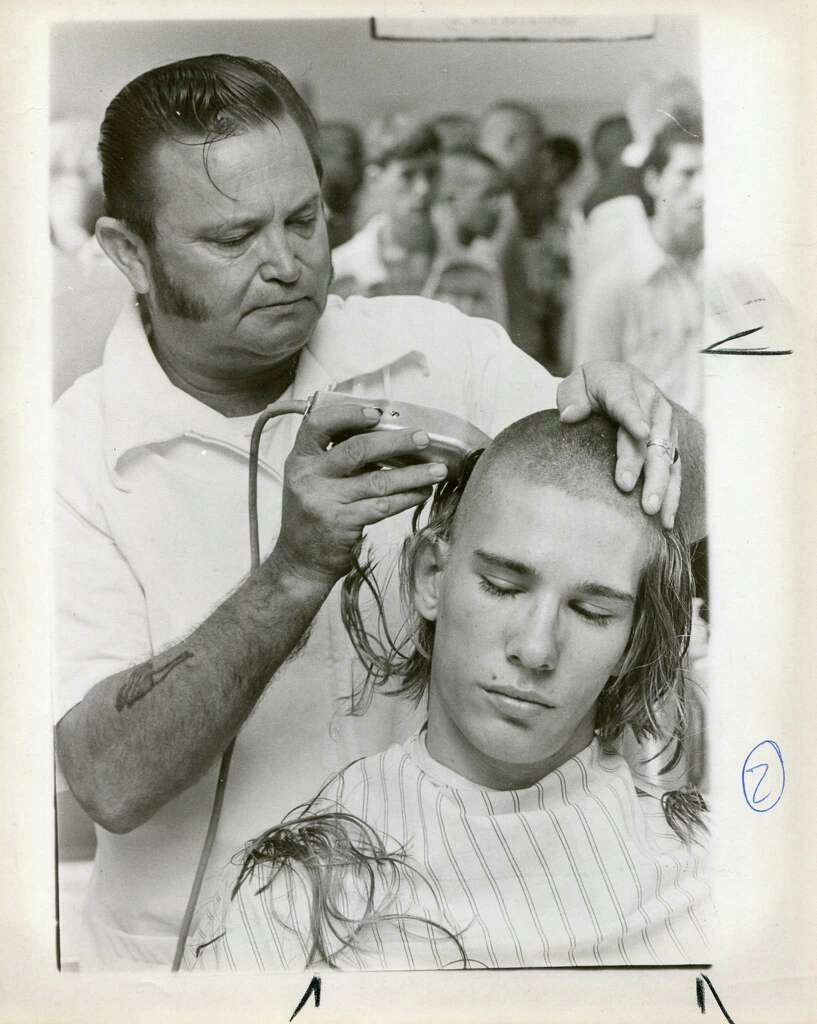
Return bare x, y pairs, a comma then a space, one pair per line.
276, 409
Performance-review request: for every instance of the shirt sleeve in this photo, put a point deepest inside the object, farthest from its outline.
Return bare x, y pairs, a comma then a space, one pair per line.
101, 624
505, 384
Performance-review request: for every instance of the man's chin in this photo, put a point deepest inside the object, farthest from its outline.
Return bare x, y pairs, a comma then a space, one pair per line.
275, 336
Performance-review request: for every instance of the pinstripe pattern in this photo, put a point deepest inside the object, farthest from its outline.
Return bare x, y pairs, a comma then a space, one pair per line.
579, 869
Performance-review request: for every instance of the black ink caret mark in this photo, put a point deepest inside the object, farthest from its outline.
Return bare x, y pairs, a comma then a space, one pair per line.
717, 347
700, 995
314, 988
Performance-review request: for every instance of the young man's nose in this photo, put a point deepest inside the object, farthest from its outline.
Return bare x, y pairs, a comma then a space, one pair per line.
533, 642
278, 262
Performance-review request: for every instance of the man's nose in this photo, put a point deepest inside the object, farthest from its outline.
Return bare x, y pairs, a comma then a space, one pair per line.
533, 641
278, 262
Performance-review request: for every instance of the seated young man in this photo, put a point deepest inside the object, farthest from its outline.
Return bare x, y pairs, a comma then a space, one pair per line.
547, 616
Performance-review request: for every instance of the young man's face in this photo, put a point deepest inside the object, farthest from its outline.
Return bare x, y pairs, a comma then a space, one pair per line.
472, 190
678, 191
407, 189
241, 258
535, 605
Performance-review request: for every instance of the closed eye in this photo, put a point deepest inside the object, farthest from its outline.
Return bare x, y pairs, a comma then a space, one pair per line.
233, 243
498, 588
303, 224
599, 618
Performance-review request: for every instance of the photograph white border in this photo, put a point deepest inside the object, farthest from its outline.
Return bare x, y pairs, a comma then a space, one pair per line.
758, 84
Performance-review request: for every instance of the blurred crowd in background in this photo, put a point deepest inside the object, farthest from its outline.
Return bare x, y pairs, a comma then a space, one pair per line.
581, 248
478, 211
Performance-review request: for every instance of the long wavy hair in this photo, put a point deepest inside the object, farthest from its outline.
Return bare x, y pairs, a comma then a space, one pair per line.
331, 852
647, 693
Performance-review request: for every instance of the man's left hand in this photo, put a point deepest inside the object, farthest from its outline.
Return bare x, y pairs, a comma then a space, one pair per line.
623, 393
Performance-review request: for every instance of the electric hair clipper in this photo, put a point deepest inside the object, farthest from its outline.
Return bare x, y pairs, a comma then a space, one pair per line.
452, 438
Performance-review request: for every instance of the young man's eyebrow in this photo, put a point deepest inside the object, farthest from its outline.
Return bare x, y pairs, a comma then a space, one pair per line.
589, 588
504, 563
592, 589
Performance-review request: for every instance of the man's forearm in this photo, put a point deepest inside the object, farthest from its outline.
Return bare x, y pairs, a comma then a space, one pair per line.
142, 736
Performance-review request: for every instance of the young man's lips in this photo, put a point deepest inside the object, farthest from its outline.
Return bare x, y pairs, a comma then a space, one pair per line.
519, 697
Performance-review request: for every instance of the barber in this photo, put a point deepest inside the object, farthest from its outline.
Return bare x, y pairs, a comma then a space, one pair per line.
166, 642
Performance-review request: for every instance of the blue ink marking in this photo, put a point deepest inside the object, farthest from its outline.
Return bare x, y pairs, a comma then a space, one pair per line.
763, 762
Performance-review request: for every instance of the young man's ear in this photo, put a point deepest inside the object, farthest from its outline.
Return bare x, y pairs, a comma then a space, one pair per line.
428, 566
126, 249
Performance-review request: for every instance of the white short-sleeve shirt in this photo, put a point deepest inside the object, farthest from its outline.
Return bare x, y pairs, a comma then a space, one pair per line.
152, 534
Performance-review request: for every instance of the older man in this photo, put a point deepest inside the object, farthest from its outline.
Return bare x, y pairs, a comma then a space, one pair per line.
166, 641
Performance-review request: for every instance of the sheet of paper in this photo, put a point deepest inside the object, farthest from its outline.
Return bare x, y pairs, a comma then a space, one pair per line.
759, 87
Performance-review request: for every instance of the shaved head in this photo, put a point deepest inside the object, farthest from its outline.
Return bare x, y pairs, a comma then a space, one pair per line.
578, 459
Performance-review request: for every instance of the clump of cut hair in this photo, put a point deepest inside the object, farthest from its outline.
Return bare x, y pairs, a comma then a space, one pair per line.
340, 860
577, 459
197, 101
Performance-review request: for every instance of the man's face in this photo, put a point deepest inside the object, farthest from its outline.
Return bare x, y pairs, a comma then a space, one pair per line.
535, 608
407, 189
512, 140
240, 262
679, 197
471, 189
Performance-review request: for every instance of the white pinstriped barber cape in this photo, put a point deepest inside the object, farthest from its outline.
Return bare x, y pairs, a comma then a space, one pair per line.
577, 870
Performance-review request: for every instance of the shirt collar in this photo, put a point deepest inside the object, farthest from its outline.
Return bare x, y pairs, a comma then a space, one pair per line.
141, 406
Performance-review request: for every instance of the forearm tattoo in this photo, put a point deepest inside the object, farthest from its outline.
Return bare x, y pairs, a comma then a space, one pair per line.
143, 679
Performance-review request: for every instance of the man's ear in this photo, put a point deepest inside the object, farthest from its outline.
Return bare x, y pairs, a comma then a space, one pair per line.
126, 249
428, 567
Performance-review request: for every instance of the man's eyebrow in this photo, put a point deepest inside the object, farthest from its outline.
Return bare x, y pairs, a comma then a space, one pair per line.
250, 221
592, 589
504, 563
311, 200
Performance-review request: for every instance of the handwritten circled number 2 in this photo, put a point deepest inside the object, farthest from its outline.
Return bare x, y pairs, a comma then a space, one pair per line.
763, 776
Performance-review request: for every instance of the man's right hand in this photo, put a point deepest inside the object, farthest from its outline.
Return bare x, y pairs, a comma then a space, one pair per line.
331, 495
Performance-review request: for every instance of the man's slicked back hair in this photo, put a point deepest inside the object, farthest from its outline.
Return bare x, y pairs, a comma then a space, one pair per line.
200, 101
